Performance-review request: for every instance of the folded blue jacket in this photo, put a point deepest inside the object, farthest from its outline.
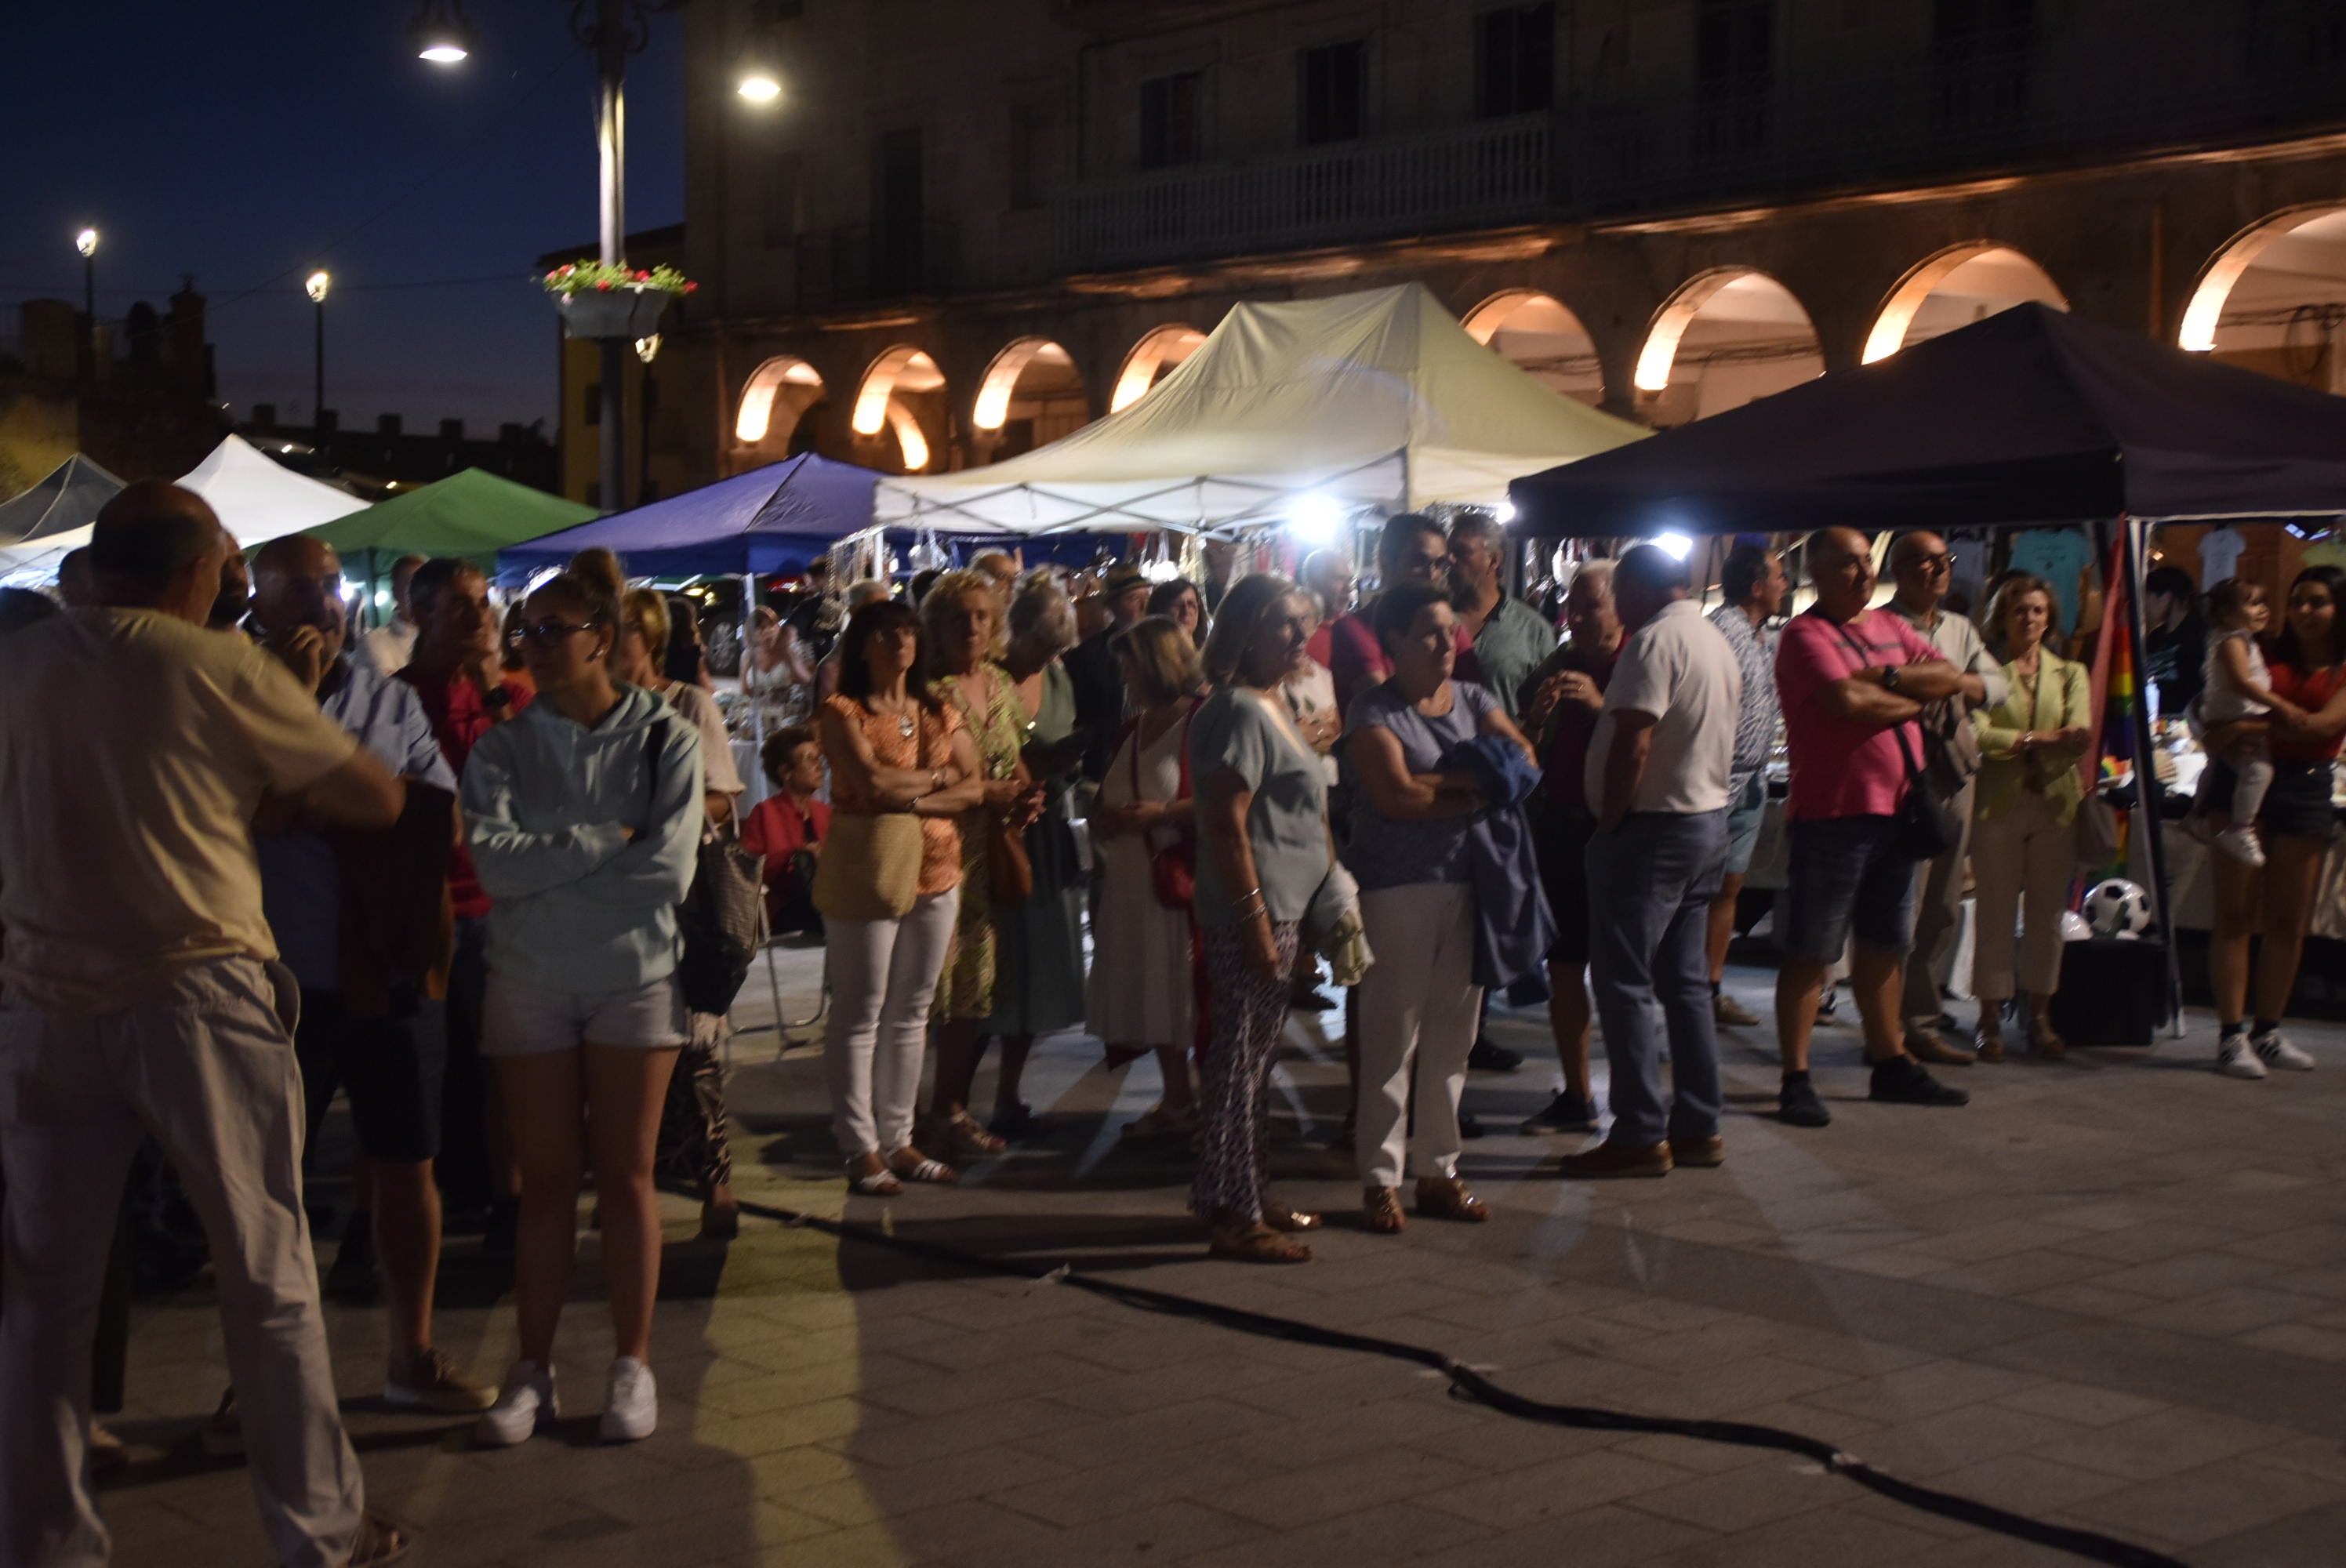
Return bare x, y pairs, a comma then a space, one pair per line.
1512, 926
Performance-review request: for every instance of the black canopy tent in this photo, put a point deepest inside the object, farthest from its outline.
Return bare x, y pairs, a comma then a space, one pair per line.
2029, 417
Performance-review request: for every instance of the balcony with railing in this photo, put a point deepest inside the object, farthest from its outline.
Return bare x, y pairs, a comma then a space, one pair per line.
1492, 173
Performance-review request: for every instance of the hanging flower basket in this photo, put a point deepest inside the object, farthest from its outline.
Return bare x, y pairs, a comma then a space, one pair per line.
604, 300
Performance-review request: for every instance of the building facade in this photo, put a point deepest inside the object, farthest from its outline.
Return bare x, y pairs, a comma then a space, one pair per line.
967, 229
135, 394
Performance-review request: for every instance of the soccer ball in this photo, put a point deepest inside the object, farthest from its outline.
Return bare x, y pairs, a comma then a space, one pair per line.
2117, 908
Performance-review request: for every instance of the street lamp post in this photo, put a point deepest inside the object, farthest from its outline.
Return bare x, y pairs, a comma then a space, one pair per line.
86, 244
317, 285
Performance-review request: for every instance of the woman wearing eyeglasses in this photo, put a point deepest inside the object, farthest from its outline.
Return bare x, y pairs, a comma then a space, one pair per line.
584, 817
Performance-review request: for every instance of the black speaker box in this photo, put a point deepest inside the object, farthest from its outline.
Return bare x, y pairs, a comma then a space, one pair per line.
2112, 993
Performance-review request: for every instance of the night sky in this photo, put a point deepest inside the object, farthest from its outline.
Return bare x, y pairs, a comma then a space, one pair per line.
251, 141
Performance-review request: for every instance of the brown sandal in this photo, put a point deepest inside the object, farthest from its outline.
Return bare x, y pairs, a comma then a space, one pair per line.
1280, 1217
2044, 1040
1256, 1244
1446, 1198
380, 1542
964, 1139
909, 1164
1988, 1047
1384, 1207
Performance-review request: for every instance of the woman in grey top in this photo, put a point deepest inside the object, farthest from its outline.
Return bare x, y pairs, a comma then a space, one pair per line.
1409, 849
1264, 850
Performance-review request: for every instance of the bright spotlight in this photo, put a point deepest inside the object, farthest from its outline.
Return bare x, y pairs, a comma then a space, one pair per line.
382, 597
1678, 545
1160, 570
1314, 519
317, 284
86, 241
759, 88
443, 54
1506, 512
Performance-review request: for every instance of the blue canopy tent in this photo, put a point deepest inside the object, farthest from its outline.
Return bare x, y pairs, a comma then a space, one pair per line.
773, 519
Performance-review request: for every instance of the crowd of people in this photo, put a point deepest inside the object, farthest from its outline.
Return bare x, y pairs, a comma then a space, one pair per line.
437, 869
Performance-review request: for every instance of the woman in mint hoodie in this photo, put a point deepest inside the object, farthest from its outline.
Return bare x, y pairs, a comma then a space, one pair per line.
584, 817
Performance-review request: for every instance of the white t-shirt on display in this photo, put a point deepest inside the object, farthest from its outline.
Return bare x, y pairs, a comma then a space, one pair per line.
2220, 556
1678, 668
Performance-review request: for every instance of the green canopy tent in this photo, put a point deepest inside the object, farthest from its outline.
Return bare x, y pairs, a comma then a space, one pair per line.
472, 513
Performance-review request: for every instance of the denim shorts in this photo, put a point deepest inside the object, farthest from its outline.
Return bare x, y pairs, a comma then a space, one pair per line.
2297, 802
1849, 880
520, 1019
1746, 809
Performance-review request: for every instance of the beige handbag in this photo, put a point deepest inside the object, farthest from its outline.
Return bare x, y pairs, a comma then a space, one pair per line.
869, 867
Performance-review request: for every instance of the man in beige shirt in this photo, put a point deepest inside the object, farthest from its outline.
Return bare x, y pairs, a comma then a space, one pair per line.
142, 996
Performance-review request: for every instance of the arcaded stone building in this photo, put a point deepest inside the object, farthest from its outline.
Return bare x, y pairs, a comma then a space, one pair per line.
969, 226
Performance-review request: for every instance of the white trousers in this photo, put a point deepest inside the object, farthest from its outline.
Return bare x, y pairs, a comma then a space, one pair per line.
207, 1066
2023, 862
883, 974
1418, 1008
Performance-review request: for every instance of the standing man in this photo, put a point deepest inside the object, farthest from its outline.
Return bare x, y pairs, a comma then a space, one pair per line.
1221, 557
1411, 548
143, 997
462, 685
1752, 584
2174, 639
1093, 670
386, 649
1851, 681
1326, 576
1658, 771
382, 1038
1922, 567
1510, 639
820, 615
234, 601
1560, 703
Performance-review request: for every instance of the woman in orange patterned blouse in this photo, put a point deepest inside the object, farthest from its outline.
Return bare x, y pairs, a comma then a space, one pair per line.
892, 746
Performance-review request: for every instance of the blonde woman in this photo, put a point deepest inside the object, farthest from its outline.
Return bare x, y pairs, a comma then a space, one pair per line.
2024, 834
1143, 990
963, 619
693, 1142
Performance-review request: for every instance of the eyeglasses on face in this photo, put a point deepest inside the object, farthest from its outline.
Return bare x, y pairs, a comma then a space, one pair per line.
545, 633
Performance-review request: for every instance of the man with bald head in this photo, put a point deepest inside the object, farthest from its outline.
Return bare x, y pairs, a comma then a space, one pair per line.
1922, 568
1851, 681
385, 1045
145, 998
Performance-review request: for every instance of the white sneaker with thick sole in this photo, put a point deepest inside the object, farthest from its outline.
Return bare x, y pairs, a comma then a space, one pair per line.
2274, 1050
524, 1399
631, 1410
2234, 1059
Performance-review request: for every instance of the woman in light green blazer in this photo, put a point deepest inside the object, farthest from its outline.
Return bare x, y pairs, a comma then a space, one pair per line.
2025, 816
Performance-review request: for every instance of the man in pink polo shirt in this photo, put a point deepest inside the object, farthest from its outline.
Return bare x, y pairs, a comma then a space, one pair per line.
1851, 681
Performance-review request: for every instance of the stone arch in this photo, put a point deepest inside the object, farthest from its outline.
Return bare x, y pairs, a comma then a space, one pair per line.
2273, 298
1959, 285
1031, 394
1727, 337
774, 399
902, 385
1543, 336
1158, 352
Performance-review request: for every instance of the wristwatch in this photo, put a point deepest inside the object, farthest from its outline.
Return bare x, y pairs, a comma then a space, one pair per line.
1889, 677
497, 700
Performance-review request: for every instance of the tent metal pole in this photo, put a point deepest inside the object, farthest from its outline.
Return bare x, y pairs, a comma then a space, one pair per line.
2131, 534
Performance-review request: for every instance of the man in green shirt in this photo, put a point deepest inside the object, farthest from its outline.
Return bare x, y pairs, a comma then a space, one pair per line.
1511, 638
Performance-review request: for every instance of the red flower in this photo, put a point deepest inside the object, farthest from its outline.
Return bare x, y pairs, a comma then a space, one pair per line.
604, 286
568, 268
642, 277
689, 288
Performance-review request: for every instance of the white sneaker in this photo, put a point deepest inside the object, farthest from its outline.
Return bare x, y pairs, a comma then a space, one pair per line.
631, 1410
525, 1399
2273, 1048
2234, 1060
2242, 844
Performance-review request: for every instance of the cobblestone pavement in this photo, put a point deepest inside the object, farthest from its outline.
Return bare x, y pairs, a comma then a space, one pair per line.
2111, 1293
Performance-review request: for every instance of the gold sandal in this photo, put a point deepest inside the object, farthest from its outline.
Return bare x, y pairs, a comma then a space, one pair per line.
1446, 1198
1256, 1244
964, 1139
1280, 1217
1384, 1207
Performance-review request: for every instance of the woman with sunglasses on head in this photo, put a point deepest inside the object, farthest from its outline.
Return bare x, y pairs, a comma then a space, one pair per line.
896, 750
585, 816
2306, 667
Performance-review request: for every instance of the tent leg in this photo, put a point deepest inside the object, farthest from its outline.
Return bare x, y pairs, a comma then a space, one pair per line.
2132, 533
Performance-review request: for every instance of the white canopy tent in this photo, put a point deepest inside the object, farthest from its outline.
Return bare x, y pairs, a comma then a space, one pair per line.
257, 498
1377, 398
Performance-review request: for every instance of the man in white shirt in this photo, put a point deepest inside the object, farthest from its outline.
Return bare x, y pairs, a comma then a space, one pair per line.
1657, 770
143, 997
1920, 565
386, 649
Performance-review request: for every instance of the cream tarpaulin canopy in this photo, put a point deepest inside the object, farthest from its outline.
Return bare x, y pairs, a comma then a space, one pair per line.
1378, 398
256, 497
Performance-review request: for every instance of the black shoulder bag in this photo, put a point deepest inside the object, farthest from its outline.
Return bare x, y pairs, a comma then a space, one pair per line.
722, 916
